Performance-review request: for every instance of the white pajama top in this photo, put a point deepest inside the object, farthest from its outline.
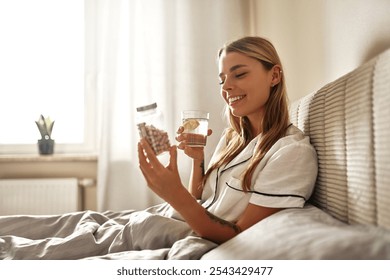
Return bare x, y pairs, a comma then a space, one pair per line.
284, 178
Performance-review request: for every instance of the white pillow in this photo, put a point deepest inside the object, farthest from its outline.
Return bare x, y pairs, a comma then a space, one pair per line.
302, 234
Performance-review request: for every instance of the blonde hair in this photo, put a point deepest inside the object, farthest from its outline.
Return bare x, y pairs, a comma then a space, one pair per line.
276, 117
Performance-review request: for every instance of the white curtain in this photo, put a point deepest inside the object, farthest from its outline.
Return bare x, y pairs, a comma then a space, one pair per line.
143, 51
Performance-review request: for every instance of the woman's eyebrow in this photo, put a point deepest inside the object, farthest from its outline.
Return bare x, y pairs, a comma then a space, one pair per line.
235, 67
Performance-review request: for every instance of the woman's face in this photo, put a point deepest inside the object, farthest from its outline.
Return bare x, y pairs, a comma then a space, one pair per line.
245, 86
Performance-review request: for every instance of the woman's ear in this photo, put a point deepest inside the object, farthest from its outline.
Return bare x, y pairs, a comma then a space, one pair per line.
276, 75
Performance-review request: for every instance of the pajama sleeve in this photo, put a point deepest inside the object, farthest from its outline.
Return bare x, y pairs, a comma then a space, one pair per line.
287, 178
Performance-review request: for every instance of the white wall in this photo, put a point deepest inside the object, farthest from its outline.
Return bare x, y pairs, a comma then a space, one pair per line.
320, 40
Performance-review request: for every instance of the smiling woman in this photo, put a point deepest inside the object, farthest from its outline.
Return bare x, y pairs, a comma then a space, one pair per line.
41, 72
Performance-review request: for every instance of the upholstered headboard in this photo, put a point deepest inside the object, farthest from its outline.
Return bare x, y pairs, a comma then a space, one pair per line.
348, 122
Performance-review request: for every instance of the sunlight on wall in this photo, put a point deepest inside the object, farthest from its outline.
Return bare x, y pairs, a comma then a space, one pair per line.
320, 40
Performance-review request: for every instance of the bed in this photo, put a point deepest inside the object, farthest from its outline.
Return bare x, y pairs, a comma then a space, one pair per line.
347, 217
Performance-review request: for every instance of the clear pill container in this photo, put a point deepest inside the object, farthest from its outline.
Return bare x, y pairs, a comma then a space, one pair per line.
150, 123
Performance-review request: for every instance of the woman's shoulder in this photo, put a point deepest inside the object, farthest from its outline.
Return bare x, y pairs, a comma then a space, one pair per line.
292, 130
294, 138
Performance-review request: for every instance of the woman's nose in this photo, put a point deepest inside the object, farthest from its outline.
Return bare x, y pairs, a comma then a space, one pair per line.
227, 85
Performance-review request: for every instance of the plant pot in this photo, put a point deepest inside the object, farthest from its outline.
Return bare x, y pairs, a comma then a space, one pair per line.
46, 146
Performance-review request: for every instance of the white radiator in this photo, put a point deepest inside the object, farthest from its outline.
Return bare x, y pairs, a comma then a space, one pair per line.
39, 196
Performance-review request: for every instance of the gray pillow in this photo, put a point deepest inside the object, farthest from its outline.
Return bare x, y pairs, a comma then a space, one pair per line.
303, 234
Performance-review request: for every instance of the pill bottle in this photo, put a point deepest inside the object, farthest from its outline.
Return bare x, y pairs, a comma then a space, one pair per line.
150, 123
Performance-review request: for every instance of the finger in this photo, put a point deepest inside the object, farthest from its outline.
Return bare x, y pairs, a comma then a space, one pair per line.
183, 137
150, 154
181, 146
143, 164
173, 158
180, 130
189, 151
146, 176
141, 155
179, 138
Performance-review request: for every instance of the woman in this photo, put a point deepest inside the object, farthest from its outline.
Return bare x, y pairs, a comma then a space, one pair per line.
262, 164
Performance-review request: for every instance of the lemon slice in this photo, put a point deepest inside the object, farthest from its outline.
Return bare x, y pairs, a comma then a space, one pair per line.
190, 124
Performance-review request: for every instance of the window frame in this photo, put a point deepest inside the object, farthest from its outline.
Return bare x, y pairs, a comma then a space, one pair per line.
89, 146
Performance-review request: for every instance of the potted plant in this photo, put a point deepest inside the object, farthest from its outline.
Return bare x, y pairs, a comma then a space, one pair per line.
45, 144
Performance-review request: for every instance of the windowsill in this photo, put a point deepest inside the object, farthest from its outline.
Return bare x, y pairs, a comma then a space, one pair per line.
48, 158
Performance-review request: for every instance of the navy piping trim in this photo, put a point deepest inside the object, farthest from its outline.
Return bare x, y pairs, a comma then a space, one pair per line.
267, 194
241, 162
217, 179
215, 191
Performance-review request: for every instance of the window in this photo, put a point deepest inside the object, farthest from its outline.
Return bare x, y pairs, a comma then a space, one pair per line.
42, 72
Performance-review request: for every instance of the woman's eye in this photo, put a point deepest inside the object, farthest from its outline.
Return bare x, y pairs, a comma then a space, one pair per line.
241, 75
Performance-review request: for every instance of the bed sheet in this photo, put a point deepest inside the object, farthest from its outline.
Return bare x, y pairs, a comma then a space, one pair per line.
154, 233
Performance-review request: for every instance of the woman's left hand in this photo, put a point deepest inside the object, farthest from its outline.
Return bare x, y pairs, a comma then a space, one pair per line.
163, 180
196, 153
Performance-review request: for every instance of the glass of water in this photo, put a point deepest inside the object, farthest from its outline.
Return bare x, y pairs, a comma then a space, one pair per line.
195, 123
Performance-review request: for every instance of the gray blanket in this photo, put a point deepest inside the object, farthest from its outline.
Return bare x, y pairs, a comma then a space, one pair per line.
154, 233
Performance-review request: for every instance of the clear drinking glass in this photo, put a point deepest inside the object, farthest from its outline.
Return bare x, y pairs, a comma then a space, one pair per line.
195, 123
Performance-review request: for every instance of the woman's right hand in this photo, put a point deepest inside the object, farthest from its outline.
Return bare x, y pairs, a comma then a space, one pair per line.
196, 153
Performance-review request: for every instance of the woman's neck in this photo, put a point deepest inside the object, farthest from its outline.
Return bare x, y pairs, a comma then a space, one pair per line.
256, 123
